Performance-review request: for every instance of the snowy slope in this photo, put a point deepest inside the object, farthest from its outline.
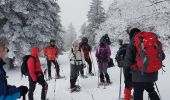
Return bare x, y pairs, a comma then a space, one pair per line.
89, 86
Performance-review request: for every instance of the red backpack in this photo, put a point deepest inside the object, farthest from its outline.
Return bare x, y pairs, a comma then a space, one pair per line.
149, 52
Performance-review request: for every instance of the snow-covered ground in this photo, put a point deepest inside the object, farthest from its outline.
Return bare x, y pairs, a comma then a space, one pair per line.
89, 91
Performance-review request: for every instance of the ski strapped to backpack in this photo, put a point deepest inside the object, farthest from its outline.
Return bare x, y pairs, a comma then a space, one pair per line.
150, 54
24, 66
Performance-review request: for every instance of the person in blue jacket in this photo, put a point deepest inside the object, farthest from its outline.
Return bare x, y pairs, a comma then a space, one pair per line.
8, 92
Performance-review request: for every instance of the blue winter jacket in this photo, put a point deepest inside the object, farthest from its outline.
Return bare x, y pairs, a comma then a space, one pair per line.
7, 92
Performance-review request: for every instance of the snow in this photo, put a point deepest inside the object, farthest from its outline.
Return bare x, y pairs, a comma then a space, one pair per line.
89, 85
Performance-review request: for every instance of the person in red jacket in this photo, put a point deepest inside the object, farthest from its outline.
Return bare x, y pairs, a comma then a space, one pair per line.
51, 53
36, 74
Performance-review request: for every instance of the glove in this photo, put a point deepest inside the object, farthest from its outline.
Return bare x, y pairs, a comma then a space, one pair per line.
23, 90
34, 82
120, 64
84, 65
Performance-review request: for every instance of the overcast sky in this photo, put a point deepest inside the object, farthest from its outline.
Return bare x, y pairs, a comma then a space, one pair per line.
75, 11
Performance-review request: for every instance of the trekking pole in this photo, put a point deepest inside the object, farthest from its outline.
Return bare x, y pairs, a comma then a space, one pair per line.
55, 86
104, 86
23, 98
120, 87
98, 78
158, 91
93, 64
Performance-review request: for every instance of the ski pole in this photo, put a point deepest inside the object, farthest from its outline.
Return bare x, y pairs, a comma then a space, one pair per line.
93, 64
98, 78
23, 98
55, 86
120, 83
158, 91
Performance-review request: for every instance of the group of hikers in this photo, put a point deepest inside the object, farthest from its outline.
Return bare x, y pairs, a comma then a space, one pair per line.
141, 59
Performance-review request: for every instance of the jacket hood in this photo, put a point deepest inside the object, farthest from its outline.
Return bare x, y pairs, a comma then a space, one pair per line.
35, 51
133, 32
2, 63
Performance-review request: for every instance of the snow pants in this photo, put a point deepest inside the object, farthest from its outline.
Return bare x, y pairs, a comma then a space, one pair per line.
139, 89
32, 86
56, 67
89, 64
103, 72
74, 73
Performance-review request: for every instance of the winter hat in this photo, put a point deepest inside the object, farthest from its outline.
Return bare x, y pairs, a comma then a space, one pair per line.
52, 40
120, 41
133, 32
75, 43
84, 40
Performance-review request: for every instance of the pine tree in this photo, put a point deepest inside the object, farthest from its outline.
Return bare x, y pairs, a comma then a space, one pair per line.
96, 16
70, 36
83, 29
30, 22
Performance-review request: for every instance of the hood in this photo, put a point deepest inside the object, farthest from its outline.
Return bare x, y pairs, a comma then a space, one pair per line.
133, 32
34, 52
2, 63
84, 40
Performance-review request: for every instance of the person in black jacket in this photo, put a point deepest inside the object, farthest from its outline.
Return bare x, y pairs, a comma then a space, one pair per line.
127, 72
140, 81
8, 92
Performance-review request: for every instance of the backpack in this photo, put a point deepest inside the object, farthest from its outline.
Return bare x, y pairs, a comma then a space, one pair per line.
149, 54
24, 66
102, 53
121, 54
111, 63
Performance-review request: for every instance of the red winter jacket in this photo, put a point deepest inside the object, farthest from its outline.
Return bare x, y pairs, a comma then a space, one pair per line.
86, 50
34, 66
51, 52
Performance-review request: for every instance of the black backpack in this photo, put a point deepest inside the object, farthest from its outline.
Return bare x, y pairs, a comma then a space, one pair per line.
24, 66
121, 54
111, 63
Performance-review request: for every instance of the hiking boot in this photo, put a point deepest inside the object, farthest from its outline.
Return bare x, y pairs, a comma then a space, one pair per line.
75, 89
77, 86
91, 74
101, 83
108, 83
83, 76
58, 77
49, 78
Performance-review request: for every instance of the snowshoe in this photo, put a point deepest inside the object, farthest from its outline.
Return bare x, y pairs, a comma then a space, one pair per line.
49, 78
108, 83
77, 86
91, 74
75, 89
84, 76
59, 77
101, 83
